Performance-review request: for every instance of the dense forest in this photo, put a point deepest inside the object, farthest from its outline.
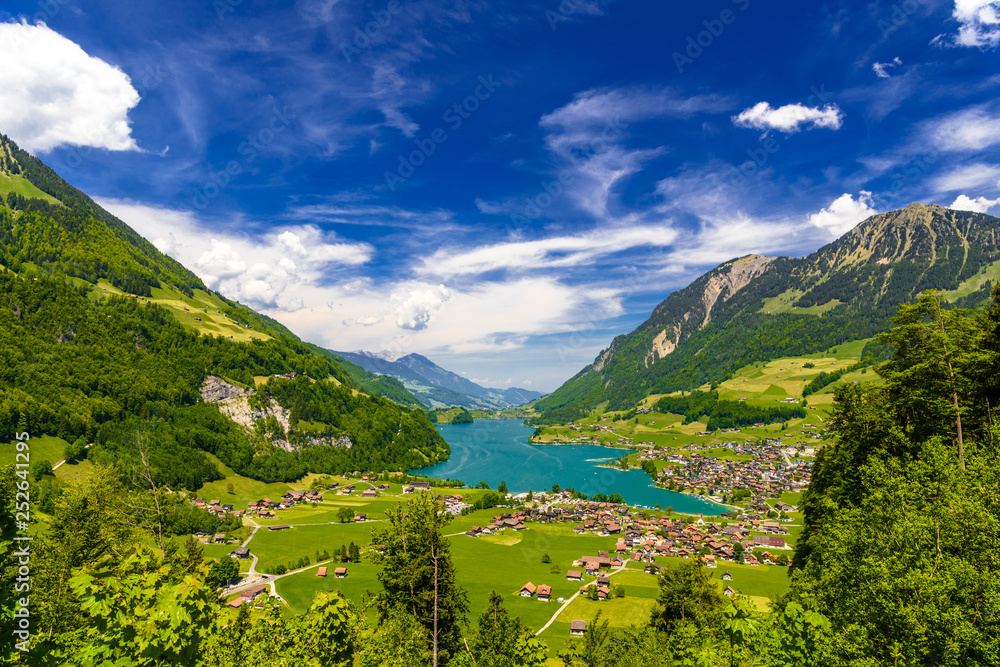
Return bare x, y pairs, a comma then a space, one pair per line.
860, 280
105, 370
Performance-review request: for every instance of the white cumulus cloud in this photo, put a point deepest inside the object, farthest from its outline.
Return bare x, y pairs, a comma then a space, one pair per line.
844, 213
415, 309
53, 93
979, 23
790, 118
270, 270
979, 204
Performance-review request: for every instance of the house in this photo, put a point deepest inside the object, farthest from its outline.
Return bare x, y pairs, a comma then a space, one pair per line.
726, 576
528, 590
369, 493
242, 552
544, 593
769, 541
420, 486
603, 580
219, 537
361, 516
340, 572
603, 593
729, 592
279, 527
783, 506
574, 575
321, 572
578, 628
253, 592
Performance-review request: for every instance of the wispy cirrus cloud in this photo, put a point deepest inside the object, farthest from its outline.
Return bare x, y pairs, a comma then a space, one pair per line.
968, 176
972, 129
589, 134
547, 253
882, 70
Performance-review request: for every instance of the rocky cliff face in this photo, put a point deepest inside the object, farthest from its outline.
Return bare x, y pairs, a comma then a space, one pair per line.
234, 402
215, 389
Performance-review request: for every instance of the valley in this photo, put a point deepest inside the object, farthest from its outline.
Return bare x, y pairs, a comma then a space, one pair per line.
759, 419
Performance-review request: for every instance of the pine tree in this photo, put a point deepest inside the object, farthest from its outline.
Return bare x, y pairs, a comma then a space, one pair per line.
418, 574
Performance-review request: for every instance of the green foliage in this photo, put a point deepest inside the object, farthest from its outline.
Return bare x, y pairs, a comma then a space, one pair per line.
327, 632
103, 370
81, 239
896, 516
399, 641
503, 641
594, 650
418, 574
725, 414
222, 572
687, 593
462, 417
40, 468
76, 451
141, 612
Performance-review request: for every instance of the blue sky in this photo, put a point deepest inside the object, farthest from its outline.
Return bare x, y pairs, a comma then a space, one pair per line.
501, 186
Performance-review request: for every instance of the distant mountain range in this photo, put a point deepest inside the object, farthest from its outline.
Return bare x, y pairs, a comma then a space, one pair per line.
435, 386
758, 308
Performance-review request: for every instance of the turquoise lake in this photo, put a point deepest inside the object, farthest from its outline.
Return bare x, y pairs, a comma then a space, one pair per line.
495, 450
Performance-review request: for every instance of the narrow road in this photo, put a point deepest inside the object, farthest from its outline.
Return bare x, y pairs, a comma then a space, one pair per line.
253, 562
566, 603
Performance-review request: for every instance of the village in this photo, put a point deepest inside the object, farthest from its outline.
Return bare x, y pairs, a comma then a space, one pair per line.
754, 471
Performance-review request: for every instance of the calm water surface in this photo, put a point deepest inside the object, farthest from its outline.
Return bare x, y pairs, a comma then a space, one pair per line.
495, 450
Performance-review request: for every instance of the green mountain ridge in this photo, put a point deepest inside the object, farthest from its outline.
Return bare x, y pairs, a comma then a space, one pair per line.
758, 308
106, 340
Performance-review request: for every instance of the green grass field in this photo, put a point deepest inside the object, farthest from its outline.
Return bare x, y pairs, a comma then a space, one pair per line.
761, 383
20, 185
298, 590
202, 312
43, 447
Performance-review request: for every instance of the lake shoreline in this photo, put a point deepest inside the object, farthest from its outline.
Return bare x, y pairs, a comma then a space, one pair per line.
502, 451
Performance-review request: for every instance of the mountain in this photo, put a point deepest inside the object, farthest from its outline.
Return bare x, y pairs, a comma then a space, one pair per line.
757, 308
435, 386
105, 340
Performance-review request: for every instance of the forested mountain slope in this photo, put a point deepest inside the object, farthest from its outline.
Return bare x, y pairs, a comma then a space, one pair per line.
760, 308
105, 339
